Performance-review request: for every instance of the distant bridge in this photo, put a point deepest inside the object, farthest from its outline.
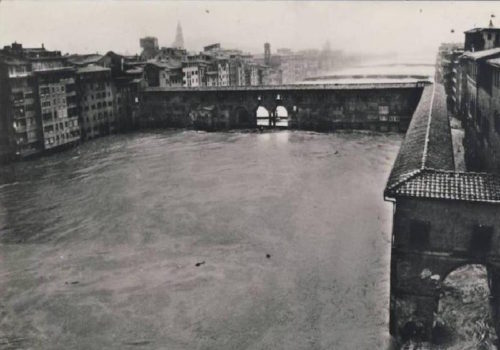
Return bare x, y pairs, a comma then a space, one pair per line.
375, 106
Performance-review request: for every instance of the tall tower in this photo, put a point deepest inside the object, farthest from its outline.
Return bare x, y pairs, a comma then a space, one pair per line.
267, 54
179, 39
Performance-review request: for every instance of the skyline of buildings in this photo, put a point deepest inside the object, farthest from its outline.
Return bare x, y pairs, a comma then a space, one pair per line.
49, 100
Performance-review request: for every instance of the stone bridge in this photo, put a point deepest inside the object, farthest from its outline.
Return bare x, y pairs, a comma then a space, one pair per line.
384, 106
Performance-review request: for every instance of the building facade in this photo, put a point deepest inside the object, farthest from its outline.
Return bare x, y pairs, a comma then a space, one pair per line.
39, 102
96, 102
59, 109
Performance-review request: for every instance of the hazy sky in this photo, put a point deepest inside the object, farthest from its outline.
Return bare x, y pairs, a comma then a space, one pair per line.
375, 27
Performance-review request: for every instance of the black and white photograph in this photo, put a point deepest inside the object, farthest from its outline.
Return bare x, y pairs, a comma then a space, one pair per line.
249, 175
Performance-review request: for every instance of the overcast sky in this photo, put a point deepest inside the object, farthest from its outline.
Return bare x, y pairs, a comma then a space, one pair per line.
372, 27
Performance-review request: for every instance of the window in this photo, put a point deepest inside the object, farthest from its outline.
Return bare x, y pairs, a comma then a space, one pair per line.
481, 238
383, 109
46, 104
419, 234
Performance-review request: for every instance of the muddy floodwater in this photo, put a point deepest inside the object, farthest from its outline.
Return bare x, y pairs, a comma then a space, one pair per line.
189, 240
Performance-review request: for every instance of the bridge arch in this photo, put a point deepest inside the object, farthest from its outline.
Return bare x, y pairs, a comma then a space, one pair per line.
465, 290
262, 116
281, 116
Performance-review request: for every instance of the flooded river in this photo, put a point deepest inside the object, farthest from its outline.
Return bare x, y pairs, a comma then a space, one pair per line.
188, 240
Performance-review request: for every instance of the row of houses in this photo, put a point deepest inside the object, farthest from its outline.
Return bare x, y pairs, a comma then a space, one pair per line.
471, 76
48, 100
214, 66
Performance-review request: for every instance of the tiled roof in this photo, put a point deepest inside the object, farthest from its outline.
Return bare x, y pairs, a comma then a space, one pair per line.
428, 140
84, 59
439, 184
481, 54
424, 167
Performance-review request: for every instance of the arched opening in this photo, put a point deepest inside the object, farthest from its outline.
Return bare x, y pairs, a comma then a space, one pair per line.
281, 116
262, 115
464, 319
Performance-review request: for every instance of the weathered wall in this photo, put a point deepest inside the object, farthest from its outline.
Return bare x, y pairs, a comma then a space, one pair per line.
417, 273
307, 109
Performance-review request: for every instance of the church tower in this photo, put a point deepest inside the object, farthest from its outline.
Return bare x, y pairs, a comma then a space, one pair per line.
179, 39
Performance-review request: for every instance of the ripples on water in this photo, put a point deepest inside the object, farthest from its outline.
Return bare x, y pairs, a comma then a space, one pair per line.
99, 243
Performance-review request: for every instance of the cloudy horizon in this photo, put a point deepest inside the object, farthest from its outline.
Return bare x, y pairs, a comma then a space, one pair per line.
406, 28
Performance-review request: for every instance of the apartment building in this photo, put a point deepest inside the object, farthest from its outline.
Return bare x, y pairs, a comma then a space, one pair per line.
96, 101
38, 101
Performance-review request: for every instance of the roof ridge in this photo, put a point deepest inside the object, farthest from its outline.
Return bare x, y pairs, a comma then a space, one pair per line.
427, 132
406, 177
428, 169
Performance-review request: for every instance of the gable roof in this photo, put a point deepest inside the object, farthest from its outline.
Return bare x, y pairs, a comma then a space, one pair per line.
418, 150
